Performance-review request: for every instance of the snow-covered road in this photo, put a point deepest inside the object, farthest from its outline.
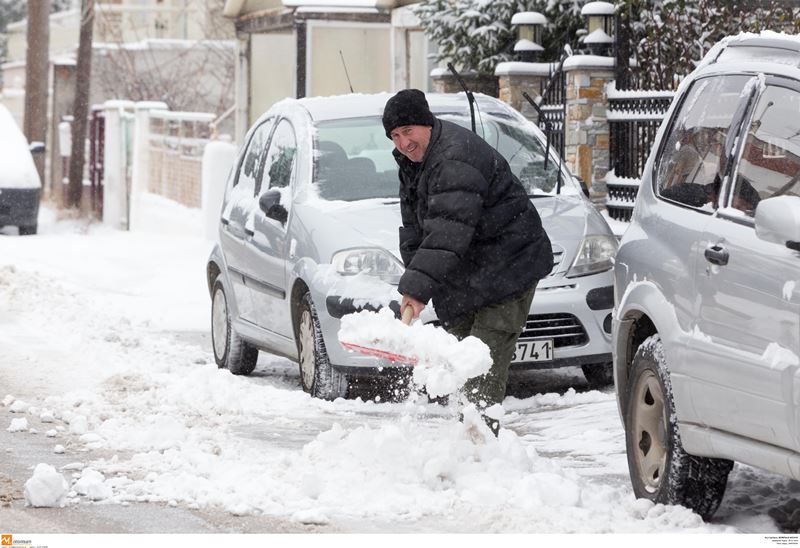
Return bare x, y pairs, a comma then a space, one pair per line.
104, 350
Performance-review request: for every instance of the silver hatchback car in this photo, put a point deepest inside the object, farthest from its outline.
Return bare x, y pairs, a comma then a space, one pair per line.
707, 280
309, 233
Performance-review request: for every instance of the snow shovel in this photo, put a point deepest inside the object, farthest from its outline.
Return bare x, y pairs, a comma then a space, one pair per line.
407, 316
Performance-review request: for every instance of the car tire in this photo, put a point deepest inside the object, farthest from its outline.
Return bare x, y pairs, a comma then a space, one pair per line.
29, 230
230, 350
599, 375
660, 469
317, 376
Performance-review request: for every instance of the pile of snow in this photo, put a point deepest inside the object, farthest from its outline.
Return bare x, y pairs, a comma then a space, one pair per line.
114, 358
92, 485
47, 488
443, 363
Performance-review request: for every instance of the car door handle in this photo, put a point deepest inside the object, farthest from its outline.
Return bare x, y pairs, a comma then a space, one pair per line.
224, 221
249, 232
716, 254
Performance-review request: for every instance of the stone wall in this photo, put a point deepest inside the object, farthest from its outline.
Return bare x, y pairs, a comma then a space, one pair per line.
445, 82
587, 137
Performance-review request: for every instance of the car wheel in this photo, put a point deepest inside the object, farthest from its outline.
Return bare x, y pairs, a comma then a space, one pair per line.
230, 350
28, 230
599, 374
660, 469
318, 377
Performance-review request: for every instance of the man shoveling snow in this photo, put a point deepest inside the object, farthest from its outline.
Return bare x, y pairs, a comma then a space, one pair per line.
471, 240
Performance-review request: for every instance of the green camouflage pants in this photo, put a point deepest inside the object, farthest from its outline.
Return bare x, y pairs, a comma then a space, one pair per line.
498, 326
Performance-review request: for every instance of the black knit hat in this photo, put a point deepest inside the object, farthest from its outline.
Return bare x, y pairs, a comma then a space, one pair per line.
407, 108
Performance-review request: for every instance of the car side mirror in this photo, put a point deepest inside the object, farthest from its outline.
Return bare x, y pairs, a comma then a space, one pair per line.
36, 147
270, 204
778, 221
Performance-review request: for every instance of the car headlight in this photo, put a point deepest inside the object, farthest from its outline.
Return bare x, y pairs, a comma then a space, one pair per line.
371, 261
596, 254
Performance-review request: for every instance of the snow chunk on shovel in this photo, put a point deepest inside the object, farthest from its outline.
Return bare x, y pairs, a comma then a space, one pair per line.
441, 362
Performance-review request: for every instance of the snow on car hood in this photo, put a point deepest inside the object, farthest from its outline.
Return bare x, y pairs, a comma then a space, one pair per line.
375, 223
340, 225
566, 219
18, 169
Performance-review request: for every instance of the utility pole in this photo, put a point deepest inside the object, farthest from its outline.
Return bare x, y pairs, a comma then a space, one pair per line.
83, 74
37, 63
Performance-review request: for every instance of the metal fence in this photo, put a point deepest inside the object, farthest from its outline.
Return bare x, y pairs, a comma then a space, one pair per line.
634, 118
553, 105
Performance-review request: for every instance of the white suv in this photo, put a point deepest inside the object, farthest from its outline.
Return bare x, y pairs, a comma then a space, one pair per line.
706, 334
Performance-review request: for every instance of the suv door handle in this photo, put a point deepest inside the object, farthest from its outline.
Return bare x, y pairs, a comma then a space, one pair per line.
249, 232
716, 254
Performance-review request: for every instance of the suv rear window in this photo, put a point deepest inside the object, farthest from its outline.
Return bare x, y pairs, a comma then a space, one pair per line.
690, 163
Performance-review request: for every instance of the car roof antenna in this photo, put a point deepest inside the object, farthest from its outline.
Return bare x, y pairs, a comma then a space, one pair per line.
547, 127
349, 83
470, 97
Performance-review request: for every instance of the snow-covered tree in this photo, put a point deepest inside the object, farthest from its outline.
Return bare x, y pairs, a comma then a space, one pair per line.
476, 35
671, 36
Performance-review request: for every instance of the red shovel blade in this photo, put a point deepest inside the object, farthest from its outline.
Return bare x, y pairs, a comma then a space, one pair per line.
391, 356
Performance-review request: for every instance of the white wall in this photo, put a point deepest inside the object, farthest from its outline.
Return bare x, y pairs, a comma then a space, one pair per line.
367, 52
272, 70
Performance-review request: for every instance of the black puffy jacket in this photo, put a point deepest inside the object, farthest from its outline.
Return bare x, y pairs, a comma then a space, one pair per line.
471, 236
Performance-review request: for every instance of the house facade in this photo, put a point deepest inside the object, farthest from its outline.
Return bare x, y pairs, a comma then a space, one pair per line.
299, 48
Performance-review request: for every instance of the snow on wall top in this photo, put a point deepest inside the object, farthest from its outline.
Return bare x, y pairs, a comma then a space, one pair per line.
528, 18
598, 8
613, 93
338, 4
519, 67
588, 61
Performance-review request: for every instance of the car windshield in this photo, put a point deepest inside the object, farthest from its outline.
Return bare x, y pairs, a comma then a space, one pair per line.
353, 157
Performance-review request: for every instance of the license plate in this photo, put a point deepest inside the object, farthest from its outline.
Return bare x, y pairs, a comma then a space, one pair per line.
533, 351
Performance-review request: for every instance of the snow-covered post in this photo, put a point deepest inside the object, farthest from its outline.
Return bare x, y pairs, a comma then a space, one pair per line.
218, 159
115, 182
586, 148
516, 77
141, 157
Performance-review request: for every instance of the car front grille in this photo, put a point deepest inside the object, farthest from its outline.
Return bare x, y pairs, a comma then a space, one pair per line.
564, 329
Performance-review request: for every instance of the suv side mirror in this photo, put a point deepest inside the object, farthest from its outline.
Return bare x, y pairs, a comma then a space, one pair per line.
36, 147
778, 221
270, 204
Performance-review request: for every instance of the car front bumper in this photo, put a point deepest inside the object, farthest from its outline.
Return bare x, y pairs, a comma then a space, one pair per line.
587, 302
19, 206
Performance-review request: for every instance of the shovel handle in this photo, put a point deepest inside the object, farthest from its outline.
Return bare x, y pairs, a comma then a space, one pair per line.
408, 314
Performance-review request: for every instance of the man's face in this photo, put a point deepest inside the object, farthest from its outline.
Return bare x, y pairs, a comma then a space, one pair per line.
412, 141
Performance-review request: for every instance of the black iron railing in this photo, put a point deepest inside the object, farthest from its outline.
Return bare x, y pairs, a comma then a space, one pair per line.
553, 105
633, 118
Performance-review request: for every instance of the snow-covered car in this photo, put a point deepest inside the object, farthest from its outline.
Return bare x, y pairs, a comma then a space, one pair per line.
20, 186
707, 320
309, 233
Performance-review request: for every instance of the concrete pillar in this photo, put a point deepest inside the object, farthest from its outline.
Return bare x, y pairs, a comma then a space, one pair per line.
516, 77
115, 182
141, 157
586, 149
